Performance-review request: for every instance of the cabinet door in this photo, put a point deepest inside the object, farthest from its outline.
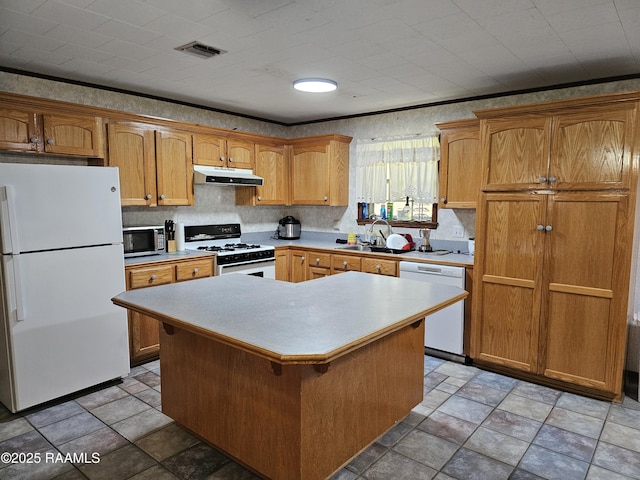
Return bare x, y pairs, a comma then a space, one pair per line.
73, 135
460, 167
282, 265
209, 150
240, 153
591, 149
298, 265
585, 283
515, 152
310, 175
509, 274
272, 164
19, 130
174, 168
132, 150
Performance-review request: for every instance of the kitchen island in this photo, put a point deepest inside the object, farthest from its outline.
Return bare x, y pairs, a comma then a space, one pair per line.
291, 380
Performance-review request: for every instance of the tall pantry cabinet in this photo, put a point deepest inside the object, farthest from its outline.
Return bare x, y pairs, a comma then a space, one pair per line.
554, 239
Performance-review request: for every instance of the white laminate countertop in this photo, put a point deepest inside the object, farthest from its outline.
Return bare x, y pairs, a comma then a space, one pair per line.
309, 322
163, 257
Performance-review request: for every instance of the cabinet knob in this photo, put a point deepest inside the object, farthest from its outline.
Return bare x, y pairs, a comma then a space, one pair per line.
161, 197
548, 228
543, 179
33, 139
195, 270
153, 277
552, 179
230, 159
317, 260
540, 228
443, 200
222, 159
50, 141
345, 263
147, 196
378, 267
301, 259
259, 198
326, 198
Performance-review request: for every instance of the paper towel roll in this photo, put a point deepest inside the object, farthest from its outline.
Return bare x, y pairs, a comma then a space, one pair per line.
180, 237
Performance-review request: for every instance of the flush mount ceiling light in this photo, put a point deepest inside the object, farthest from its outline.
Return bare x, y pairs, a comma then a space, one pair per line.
315, 85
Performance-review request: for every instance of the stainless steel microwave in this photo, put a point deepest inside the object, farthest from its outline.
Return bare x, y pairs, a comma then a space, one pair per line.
141, 241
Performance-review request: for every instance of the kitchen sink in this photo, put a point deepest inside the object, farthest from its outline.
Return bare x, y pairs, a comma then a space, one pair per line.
359, 248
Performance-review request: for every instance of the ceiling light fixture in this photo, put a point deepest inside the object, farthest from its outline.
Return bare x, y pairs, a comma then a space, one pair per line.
315, 85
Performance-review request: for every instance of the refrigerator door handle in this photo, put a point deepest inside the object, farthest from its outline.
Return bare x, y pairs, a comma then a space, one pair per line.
8, 221
15, 297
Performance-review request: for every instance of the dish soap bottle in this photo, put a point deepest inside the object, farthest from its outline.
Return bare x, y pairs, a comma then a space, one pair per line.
383, 212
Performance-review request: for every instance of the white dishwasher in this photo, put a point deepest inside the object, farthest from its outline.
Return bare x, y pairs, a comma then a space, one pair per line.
444, 330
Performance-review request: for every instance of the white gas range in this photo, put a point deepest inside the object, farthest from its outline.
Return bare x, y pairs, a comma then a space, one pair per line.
232, 255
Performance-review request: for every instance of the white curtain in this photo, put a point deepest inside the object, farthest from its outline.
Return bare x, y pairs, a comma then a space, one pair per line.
410, 165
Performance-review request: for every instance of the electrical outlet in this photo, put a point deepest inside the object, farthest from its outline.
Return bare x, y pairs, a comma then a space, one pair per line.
458, 231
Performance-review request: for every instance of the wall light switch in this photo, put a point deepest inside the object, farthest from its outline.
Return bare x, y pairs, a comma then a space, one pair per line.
458, 231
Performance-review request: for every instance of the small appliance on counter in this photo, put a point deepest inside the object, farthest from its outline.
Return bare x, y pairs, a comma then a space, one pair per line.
426, 245
288, 228
141, 241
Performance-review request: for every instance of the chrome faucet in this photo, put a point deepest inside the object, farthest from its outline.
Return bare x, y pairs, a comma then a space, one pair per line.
373, 235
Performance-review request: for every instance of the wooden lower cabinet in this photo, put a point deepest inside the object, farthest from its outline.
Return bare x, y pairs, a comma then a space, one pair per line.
144, 331
307, 264
553, 272
345, 263
319, 265
380, 267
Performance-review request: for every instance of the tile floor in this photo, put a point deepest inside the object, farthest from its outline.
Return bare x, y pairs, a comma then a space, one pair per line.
472, 424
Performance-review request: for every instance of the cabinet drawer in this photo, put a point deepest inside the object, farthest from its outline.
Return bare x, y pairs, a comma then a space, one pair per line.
148, 277
344, 263
319, 259
383, 267
193, 270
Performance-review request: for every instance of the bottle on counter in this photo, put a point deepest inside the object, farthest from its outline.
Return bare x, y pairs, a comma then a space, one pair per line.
389, 210
383, 212
365, 212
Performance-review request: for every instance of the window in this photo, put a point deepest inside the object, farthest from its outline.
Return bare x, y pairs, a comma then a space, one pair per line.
403, 171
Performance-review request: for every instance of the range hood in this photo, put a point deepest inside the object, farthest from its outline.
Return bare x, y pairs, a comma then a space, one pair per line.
235, 177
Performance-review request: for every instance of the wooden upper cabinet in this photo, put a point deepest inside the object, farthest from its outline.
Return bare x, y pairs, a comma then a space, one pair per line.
515, 153
460, 164
559, 146
30, 131
225, 152
209, 150
320, 171
272, 164
174, 168
591, 148
155, 165
132, 150
20, 130
73, 135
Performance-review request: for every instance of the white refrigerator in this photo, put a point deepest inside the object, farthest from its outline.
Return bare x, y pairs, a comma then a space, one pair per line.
62, 262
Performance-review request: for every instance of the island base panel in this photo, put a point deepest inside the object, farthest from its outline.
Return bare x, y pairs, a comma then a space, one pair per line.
301, 424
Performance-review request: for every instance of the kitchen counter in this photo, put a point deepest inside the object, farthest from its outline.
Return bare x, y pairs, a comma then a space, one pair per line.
293, 380
327, 241
164, 257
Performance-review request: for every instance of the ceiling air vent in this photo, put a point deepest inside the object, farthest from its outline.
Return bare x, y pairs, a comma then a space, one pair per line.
200, 50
